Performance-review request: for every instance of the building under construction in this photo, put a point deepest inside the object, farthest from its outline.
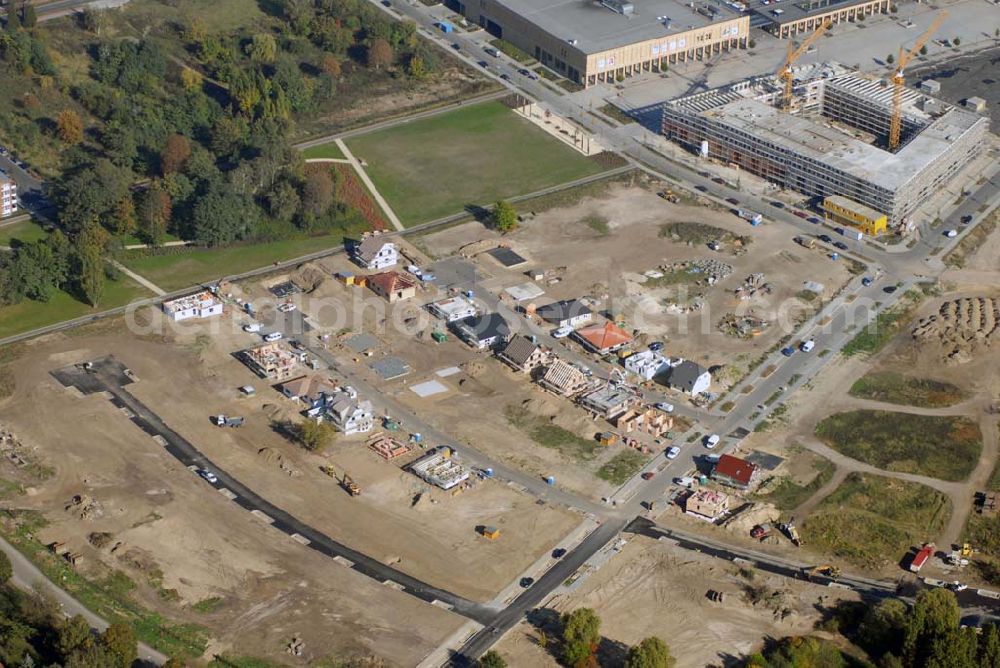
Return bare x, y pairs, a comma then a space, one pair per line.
834, 138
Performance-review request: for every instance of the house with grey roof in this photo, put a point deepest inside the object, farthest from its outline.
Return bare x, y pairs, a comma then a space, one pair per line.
688, 377
565, 313
374, 252
522, 354
484, 332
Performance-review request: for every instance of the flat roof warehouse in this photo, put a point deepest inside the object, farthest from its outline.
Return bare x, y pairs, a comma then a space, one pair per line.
594, 27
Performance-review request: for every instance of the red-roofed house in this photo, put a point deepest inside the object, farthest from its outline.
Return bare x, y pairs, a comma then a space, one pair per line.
392, 286
603, 337
734, 472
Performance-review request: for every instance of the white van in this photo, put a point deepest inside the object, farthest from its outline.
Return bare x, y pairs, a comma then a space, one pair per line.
711, 441
273, 336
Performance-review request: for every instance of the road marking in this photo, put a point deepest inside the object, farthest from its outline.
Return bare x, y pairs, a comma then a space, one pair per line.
226, 493
262, 516
343, 561
299, 538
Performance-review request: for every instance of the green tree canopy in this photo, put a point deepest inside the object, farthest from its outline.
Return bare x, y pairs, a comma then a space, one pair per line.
652, 652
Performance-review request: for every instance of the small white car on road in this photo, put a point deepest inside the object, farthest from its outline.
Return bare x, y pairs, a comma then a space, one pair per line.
562, 332
664, 406
287, 307
253, 327
950, 234
273, 336
208, 475
672, 452
711, 441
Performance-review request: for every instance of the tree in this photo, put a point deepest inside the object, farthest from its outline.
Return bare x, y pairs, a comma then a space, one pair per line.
124, 220
957, 41
90, 244
191, 79
935, 614
221, 216
652, 652
69, 127
416, 67
283, 201
174, 662
175, 154
890, 59
882, 627
13, 20
6, 570
492, 659
315, 436
93, 20
379, 54
119, 641
30, 18
262, 48
923, 50
504, 216
74, 636
581, 635
155, 209
331, 65
317, 192
989, 647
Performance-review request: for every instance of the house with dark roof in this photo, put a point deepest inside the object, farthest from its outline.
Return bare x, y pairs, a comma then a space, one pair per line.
565, 313
734, 472
688, 377
309, 389
374, 252
602, 338
522, 354
484, 332
392, 286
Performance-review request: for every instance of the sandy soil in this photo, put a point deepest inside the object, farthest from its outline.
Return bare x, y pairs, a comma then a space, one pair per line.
609, 268
652, 588
163, 519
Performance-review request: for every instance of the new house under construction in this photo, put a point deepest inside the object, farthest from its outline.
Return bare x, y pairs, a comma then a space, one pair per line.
833, 139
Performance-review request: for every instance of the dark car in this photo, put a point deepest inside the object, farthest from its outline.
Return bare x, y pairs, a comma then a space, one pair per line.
456, 46
802, 214
778, 205
814, 220
558, 553
841, 245
704, 175
484, 64
866, 281
966, 220
719, 180
701, 188
648, 475
889, 289
527, 582
505, 76
825, 238
732, 200
788, 352
656, 346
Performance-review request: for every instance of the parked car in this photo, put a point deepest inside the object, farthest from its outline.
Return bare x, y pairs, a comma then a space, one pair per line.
253, 327
866, 281
208, 475
287, 307
685, 481
814, 220
456, 46
778, 205
712, 458
527, 582
505, 76
701, 188
664, 406
966, 219
807, 346
788, 351
656, 346
562, 332
648, 475
273, 336
825, 238
711, 441
950, 234
732, 200
840, 244
558, 553
889, 289
801, 214
672, 452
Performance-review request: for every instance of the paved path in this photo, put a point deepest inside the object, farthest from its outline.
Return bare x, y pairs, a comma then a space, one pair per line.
390, 214
28, 577
141, 280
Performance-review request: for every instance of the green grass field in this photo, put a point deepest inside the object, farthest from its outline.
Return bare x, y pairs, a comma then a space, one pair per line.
330, 150
621, 467
438, 166
24, 232
173, 271
787, 494
936, 446
895, 388
887, 324
30, 315
871, 521
549, 435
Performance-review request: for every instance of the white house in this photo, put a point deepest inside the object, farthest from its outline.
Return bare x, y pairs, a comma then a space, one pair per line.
375, 253
454, 308
347, 413
8, 195
646, 364
688, 377
201, 305
565, 313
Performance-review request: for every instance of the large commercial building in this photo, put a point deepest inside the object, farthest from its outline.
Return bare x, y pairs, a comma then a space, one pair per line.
786, 19
590, 41
8, 195
834, 140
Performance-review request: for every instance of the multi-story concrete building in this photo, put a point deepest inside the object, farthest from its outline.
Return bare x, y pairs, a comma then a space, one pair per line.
590, 41
8, 195
834, 140
787, 19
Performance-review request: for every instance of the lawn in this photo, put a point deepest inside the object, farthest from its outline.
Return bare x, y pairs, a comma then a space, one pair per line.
176, 270
438, 166
871, 521
942, 447
24, 232
62, 306
895, 388
549, 435
877, 334
621, 467
329, 150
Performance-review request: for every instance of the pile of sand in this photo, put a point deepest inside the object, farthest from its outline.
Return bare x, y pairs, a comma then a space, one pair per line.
961, 327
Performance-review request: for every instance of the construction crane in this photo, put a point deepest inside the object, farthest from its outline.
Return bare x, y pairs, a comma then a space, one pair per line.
896, 122
785, 71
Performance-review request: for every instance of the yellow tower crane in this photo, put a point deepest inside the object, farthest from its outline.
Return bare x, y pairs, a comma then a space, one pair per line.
785, 71
896, 123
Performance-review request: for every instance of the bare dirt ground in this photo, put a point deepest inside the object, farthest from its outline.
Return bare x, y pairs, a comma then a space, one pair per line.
173, 533
652, 588
601, 246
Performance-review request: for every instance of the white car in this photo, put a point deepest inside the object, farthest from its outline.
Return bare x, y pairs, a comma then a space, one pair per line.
208, 475
253, 327
664, 406
672, 452
713, 458
273, 336
950, 233
686, 481
711, 441
562, 332
287, 307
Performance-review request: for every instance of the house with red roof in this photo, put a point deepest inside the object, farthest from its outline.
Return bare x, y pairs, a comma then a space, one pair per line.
734, 472
602, 338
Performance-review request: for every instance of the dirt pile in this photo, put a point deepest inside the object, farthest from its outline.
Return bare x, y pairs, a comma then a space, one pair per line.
962, 327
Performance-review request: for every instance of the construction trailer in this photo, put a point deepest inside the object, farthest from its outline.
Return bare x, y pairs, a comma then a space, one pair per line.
922, 556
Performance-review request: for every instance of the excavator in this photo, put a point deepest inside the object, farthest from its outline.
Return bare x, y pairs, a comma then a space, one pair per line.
826, 570
351, 487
